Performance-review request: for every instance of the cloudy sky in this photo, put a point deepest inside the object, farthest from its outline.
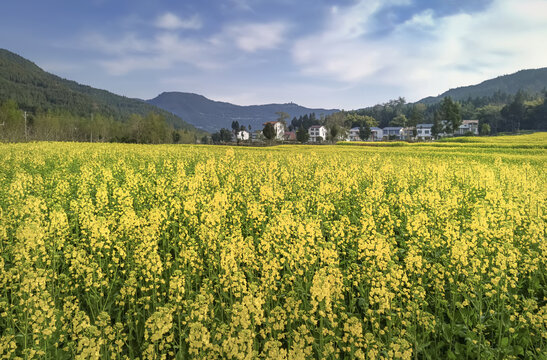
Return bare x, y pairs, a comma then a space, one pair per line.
343, 54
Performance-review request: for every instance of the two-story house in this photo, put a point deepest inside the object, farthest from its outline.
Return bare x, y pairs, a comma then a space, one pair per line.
317, 133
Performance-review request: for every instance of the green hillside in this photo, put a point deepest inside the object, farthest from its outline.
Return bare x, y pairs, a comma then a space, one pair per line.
531, 81
35, 90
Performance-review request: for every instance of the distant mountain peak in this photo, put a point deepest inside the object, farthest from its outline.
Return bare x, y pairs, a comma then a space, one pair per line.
211, 115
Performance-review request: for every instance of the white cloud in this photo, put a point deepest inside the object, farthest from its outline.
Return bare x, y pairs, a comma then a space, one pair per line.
162, 51
170, 21
426, 54
251, 37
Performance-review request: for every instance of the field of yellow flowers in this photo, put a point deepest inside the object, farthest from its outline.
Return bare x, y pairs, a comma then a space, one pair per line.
294, 252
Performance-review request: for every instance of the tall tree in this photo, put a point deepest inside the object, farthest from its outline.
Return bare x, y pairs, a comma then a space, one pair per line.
450, 113
235, 126
436, 129
514, 113
364, 131
225, 135
302, 135
334, 131
417, 114
269, 131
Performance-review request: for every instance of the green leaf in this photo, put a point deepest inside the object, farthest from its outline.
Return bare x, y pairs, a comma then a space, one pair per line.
504, 342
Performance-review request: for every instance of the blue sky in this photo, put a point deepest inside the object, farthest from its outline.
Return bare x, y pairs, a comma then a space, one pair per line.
336, 54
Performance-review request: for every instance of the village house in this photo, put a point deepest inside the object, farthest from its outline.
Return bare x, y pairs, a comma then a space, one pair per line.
317, 133
353, 134
279, 129
392, 133
408, 133
289, 136
468, 126
243, 135
376, 134
424, 131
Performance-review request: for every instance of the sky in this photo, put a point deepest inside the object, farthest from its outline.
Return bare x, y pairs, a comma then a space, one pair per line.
345, 54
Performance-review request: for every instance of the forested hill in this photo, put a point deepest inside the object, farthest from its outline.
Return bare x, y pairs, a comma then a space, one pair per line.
35, 90
212, 115
531, 81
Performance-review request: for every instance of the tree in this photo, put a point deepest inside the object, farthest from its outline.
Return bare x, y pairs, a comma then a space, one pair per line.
354, 120
490, 114
282, 117
436, 129
205, 139
216, 138
11, 121
514, 113
450, 112
302, 135
399, 120
485, 129
334, 131
235, 126
225, 135
417, 114
364, 132
269, 131
176, 137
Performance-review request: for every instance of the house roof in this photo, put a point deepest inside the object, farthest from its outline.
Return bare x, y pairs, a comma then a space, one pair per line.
393, 128
316, 126
354, 128
424, 126
375, 128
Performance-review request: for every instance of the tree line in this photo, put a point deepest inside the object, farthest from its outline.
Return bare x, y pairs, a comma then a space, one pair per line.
501, 112
17, 124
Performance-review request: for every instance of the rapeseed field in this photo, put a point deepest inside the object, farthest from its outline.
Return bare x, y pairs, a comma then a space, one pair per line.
294, 252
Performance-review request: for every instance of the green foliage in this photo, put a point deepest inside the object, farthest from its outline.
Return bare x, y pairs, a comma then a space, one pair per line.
485, 129
450, 113
364, 131
334, 132
269, 131
302, 135
354, 119
399, 120
225, 135
305, 121
437, 127
417, 114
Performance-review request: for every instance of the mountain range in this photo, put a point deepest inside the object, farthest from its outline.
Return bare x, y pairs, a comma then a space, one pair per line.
212, 115
34, 90
531, 80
